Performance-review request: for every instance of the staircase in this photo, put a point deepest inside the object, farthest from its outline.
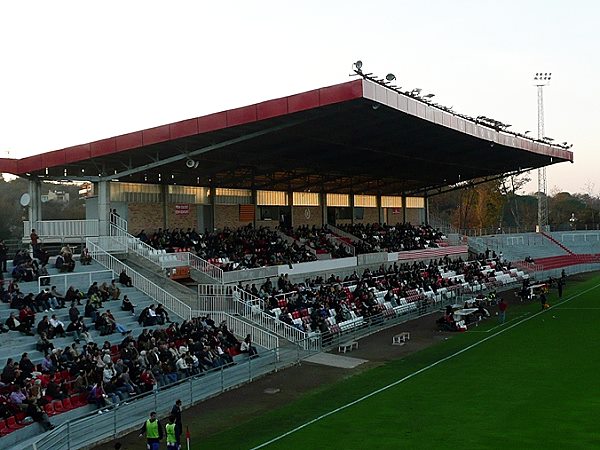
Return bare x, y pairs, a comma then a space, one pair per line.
162, 259
232, 300
554, 241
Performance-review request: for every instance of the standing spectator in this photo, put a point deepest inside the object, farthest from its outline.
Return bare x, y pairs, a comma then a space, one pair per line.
502, 306
3, 255
34, 239
560, 286
543, 300
152, 429
176, 415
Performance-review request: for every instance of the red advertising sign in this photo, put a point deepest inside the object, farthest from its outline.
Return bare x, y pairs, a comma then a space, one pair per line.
396, 210
182, 209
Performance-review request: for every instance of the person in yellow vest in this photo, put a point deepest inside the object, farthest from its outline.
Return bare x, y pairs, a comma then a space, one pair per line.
170, 429
153, 431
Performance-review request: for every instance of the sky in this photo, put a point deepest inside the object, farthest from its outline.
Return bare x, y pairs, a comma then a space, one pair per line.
73, 72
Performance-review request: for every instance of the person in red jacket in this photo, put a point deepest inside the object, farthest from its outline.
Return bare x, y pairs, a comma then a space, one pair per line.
502, 307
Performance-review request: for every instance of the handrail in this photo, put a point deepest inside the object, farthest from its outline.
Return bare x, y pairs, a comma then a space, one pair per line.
231, 299
118, 221
140, 282
241, 328
165, 260
65, 276
343, 243
214, 272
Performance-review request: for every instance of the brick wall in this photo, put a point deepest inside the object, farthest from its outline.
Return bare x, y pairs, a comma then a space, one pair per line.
144, 216
299, 214
184, 221
228, 216
371, 215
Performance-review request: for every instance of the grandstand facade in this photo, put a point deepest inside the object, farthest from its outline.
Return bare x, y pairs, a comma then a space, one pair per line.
330, 184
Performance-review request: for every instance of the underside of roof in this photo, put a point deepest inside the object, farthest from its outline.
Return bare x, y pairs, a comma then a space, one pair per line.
356, 137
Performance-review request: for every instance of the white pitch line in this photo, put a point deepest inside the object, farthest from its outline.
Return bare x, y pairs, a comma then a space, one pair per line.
583, 309
409, 376
499, 325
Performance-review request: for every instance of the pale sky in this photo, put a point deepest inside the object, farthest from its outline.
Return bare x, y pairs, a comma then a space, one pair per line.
77, 71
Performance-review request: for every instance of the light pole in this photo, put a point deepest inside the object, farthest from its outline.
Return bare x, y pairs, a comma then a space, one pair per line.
542, 79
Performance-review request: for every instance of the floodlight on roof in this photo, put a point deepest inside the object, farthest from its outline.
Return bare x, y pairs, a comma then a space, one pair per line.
390, 77
429, 95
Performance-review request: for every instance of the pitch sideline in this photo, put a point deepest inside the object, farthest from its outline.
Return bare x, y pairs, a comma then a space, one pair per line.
409, 376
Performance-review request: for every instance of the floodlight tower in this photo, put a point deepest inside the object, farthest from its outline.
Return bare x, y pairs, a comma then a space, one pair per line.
542, 79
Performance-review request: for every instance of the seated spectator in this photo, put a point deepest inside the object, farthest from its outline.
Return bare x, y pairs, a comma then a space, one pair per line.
114, 290
38, 415
44, 345
85, 258
44, 327
127, 305
14, 324
58, 326
162, 314
125, 279
247, 347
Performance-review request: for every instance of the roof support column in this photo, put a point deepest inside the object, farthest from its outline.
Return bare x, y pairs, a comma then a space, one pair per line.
426, 208
351, 201
403, 208
35, 203
291, 206
380, 210
256, 208
103, 207
164, 195
323, 200
213, 207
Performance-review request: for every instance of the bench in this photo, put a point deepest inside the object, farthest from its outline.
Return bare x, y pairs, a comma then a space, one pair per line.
347, 346
400, 339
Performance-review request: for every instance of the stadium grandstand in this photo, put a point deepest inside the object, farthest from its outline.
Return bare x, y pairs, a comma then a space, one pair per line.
244, 241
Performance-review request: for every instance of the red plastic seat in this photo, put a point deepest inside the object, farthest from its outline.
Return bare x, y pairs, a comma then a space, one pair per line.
78, 400
49, 408
4, 429
67, 405
58, 407
11, 422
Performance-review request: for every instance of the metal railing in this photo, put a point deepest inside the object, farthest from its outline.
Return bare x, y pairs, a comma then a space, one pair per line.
201, 265
161, 258
337, 240
250, 274
92, 428
62, 228
140, 282
70, 279
232, 300
118, 221
240, 328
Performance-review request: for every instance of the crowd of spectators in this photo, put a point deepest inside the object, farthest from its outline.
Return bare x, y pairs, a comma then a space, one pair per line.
316, 299
248, 247
393, 238
320, 239
108, 374
243, 248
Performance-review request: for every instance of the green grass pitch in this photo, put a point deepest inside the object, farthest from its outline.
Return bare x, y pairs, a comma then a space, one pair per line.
531, 383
